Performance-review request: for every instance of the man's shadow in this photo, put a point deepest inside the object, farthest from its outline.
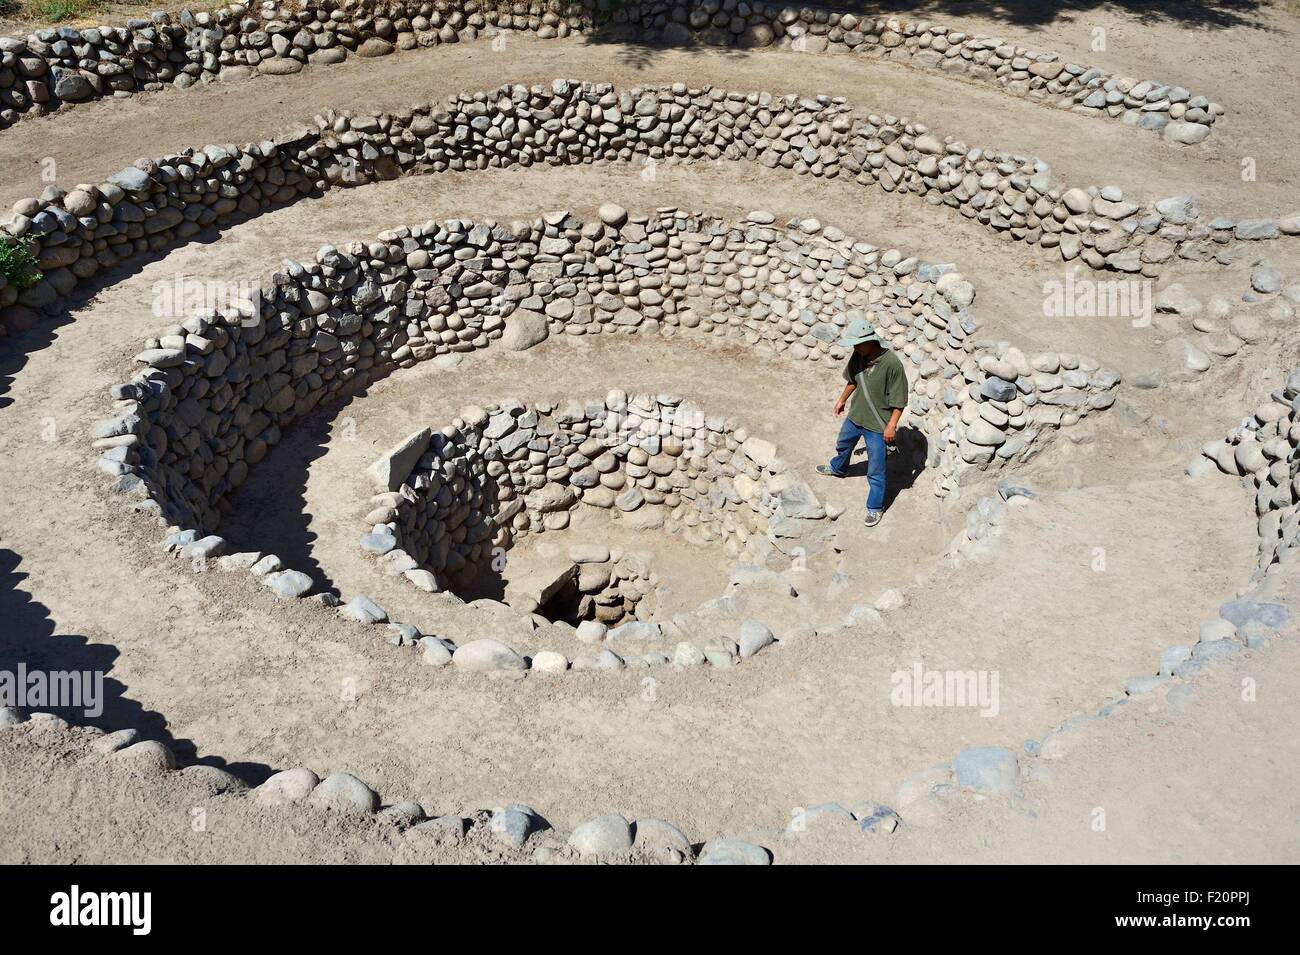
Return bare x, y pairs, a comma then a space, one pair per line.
902, 466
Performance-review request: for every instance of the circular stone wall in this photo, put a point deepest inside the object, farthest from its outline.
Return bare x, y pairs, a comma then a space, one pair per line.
464, 495
76, 65
218, 390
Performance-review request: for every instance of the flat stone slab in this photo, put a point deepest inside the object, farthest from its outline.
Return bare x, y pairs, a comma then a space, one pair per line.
395, 466
541, 582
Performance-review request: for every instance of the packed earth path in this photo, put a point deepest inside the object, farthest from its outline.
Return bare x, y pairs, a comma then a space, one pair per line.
1067, 596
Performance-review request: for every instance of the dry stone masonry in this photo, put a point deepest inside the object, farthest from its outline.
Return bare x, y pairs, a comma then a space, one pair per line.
592, 588
217, 391
67, 65
653, 462
1220, 328
158, 203
1262, 451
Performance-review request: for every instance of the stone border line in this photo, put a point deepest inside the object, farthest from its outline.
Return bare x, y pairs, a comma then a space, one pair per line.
515, 831
65, 65
1264, 452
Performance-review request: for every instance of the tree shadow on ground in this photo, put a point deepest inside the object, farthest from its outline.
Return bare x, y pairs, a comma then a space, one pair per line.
1218, 14
641, 50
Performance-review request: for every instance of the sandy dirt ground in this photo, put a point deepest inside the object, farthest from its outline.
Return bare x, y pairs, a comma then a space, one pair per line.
1214, 786
217, 668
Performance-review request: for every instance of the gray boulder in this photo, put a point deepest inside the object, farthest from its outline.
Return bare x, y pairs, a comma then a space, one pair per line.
514, 824
655, 835
602, 836
734, 852
754, 636
288, 584
1241, 612
487, 654
363, 610
1186, 134
524, 329
289, 786
990, 769
344, 792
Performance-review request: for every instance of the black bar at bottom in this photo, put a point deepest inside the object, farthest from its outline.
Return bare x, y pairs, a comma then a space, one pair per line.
134, 903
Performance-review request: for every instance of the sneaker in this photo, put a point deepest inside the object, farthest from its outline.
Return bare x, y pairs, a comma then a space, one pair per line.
825, 469
872, 518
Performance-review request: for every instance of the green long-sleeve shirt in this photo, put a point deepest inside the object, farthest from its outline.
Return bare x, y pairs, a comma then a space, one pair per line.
885, 382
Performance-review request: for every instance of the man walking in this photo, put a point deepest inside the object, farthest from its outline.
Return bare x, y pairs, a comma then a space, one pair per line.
875, 395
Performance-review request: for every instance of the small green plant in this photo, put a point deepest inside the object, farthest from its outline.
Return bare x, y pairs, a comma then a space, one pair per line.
18, 263
56, 11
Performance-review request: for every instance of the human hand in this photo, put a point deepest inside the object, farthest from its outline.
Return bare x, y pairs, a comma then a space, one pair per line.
890, 434
839, 407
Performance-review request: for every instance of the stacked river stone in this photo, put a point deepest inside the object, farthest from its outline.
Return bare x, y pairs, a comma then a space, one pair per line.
66, 65
218, 390
159, 203
653, 461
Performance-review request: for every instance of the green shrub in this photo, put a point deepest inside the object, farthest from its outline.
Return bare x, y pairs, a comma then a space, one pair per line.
56, 11
18, 263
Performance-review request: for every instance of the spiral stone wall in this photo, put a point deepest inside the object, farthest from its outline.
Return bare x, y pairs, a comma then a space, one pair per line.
151, 206
218, 391
496, 475
65, 65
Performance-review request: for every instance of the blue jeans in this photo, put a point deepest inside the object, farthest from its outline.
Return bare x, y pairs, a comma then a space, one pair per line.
850, 434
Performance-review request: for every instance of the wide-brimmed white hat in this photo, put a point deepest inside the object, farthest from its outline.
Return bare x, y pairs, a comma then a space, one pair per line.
859, 332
